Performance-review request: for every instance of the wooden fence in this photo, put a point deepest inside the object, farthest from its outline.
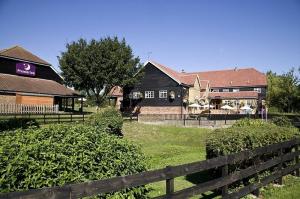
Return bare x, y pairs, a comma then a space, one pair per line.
47, 118
286, 152
26, 109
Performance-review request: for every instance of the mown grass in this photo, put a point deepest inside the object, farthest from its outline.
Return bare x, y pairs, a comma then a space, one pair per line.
169, 145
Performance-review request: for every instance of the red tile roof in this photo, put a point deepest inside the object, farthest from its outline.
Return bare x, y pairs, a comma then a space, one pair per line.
18, 52
184, 78
14, 84
234, 95
234, 78
247, 77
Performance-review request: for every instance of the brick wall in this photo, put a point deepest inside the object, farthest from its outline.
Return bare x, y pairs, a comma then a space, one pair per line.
162, 110
7, 99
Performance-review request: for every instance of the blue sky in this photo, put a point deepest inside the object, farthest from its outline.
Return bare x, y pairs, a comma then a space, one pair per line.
191, 35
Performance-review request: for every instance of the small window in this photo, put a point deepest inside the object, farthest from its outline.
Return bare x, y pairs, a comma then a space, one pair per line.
215, 90
235, 90
225, 90
149, 94
258, 90
163, 94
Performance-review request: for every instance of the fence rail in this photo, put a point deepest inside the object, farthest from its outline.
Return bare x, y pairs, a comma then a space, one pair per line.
205, 119
47, 118
168, 174
26, 109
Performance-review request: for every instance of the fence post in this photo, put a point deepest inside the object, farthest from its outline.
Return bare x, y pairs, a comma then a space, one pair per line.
82, 117
71, 116
169, 183
44, 118
280, 154
199, 120
184, 120
256, 192
58, 118
224, 173
297, 160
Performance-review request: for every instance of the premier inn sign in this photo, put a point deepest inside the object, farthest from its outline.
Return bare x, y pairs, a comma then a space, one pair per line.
25, 69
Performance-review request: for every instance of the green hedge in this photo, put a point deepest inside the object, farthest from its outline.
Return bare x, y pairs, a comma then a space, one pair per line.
15, 123
246, 134
60, 154
108, 119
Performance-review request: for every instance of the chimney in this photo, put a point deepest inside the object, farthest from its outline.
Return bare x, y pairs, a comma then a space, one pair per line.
235, 68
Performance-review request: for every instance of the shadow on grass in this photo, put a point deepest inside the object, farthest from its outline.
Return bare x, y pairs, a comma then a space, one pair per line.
201, 177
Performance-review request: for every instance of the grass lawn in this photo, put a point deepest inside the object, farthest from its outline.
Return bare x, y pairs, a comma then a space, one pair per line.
169, 145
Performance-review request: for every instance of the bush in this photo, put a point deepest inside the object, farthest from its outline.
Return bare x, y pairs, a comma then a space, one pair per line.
282, 121
109, 119
14, 123
246, 134
60, 154
247, 122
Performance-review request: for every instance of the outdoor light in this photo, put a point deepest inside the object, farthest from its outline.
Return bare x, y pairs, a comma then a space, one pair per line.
172, 95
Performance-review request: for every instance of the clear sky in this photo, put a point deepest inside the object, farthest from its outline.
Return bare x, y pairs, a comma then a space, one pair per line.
191, 35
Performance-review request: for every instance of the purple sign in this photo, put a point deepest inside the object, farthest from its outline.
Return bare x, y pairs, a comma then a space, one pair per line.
25, 69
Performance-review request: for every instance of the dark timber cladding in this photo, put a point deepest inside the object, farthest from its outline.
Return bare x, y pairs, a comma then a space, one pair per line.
155, 80
8, 66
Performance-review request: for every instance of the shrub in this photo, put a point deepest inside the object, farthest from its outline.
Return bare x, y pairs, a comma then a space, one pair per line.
60, 154
14, 123
247, 122
108, 119
282, 121
246, 135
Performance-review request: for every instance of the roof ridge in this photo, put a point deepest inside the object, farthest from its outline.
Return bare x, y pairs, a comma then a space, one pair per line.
221, 70
36, 58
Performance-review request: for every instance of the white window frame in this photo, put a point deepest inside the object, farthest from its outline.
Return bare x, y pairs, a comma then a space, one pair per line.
235, 90
149, 94
225, 89
163, 94
257, 89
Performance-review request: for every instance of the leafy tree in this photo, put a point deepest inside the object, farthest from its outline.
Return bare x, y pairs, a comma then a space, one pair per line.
97, 66
284, 91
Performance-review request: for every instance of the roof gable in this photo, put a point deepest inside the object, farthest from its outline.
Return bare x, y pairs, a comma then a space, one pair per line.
17, 52
180, 78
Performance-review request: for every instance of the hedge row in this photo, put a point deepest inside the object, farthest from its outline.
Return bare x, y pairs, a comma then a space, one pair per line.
59, 154
109, 119
247, 134
15, 123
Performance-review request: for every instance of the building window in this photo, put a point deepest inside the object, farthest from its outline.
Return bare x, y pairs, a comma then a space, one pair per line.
163, 94
258, 90
215, 90
235, 90
149, 94
225, 90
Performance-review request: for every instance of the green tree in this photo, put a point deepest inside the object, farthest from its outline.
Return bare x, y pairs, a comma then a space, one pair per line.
284, 91
97, 66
